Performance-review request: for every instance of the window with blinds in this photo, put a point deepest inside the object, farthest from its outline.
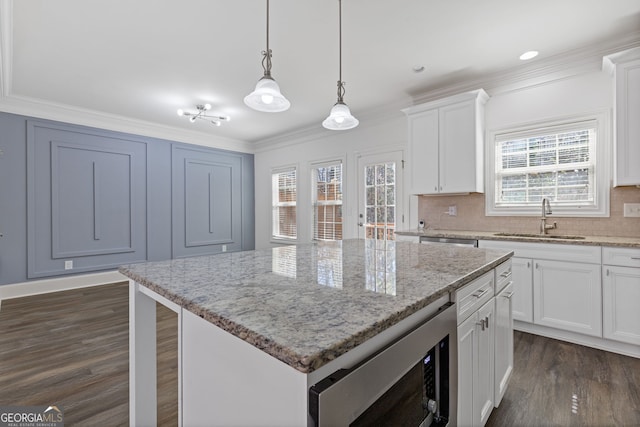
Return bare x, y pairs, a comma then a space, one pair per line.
284, 196
327, 201
556, 163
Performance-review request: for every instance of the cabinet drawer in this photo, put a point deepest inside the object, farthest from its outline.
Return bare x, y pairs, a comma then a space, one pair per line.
624, 257
472, 296
550, 251
503, 275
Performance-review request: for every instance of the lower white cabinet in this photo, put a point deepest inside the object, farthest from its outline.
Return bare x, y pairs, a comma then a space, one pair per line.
621, 304
485, 344
621, 294
522, 299
475, 367
503, 340
568, 296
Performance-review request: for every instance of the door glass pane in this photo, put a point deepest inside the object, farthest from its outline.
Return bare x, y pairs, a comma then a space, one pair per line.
380, 199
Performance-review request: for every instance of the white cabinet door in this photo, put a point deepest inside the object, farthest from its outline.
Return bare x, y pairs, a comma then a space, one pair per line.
568, 296
523, 289
483, 404
458, 168
621, 303
467, 357
423, 152
504, 341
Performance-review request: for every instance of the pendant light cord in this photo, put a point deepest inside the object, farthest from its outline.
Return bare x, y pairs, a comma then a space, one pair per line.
266, 61
340, 82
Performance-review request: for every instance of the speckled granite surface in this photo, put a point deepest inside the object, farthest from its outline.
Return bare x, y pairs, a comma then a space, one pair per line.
308, 304
628, 242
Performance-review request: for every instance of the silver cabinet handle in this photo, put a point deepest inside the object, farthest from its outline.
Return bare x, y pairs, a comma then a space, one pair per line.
635, 257
435, 188
481, 323
486, 321
506, 274
528, 264
537, 265
607, 271
508, 295
480, 293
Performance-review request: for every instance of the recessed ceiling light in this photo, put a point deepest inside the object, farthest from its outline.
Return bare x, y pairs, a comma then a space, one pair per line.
528, 55
418, 69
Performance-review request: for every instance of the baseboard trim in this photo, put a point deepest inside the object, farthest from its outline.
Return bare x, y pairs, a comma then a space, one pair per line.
573, 337
37, 287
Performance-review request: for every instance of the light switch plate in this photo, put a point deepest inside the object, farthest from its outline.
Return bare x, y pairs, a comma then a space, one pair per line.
68, 265
632, 209
453, 210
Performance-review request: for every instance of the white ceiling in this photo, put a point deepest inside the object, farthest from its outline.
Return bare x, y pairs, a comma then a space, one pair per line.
142, 60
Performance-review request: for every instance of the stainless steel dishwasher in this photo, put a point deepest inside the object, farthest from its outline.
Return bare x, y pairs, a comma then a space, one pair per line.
448, 241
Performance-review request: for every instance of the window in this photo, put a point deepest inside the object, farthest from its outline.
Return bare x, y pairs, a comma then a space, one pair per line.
284, 194
327, 201
565, 163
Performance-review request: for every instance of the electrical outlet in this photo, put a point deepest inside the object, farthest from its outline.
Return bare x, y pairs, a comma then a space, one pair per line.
68, 265
632, 209
453, 210
224, 248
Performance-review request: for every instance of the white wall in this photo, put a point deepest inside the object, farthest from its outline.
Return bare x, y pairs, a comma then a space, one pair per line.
585, 93
578, 95
372, 136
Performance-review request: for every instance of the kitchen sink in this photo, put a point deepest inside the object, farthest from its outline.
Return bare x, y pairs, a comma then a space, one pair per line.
540, 236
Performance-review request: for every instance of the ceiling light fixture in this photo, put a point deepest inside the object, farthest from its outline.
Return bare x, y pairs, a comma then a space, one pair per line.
216, 120
340, 117
267, 97
529, 55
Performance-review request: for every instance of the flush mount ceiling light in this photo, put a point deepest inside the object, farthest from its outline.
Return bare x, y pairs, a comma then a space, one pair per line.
202, 109
529, 55
267, 96
340, 117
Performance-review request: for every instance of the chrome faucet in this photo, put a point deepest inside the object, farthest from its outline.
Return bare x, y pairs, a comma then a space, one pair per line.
546, 210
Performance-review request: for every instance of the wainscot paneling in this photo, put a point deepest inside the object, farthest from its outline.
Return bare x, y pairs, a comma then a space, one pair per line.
86, 200
207, 202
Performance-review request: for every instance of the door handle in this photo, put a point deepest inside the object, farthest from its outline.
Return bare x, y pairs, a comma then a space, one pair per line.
360, 224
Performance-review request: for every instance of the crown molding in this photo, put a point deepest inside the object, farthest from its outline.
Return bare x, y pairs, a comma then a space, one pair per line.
370, 117
69, 114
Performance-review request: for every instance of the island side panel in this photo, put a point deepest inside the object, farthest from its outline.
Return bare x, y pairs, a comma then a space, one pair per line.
142, 358
227, 381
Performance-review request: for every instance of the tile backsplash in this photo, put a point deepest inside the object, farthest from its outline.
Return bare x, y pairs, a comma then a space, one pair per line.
470, 216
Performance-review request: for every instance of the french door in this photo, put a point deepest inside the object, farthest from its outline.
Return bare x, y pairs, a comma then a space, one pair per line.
380, 207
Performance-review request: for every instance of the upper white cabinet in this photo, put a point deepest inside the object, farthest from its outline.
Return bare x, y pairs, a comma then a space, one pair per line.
446, 144
625, 68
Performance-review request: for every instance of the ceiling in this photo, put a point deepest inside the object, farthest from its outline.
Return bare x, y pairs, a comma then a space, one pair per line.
142, 60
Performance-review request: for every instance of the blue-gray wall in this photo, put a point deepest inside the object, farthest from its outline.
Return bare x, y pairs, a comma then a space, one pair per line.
101, 199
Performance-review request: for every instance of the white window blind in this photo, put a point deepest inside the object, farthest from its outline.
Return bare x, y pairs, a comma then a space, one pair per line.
284, 197
326, 179
557, 163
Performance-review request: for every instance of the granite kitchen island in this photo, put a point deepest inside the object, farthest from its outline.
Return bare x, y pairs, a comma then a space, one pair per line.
257, 328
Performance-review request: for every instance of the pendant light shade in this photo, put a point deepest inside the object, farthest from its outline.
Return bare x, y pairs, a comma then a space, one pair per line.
340, 117
267, 97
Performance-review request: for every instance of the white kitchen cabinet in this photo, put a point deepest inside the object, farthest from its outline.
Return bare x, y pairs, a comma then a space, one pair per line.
446, 144
568, 296
621, 294
476, 349
504, 342
625, 68
522, 299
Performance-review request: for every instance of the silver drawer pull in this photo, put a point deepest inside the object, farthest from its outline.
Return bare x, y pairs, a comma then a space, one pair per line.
480, 293
506, 274
508, 295
636, 258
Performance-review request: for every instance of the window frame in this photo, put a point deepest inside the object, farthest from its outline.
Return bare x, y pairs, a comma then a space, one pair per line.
278, 238
602, 166
313, 166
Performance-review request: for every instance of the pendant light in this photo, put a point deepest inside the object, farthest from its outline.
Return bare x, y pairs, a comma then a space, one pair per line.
340, 117
267, 97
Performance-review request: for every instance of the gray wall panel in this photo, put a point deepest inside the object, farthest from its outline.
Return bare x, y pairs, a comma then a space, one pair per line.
90, 198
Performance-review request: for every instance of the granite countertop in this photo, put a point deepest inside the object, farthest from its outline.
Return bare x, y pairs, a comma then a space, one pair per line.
629, 242
308, 304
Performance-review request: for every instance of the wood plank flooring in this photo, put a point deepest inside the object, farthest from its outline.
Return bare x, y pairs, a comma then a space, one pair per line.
71, 348
555, 383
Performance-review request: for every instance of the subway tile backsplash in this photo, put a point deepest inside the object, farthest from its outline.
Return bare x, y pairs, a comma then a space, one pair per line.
471, 216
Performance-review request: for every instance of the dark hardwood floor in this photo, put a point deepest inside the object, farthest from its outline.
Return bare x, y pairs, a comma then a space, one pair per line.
555, 383
71, 349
